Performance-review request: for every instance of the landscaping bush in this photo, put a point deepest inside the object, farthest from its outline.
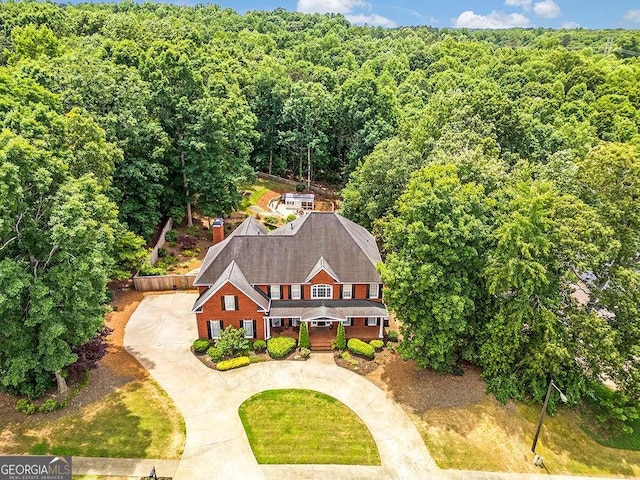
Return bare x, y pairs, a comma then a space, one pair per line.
346, 356
215, 353
90, 353
305, 352
193, 253
187, 241
49, 405
291, 217
392, 335
280, 347
232, 342
148, 270
341, 341
259, 346
359, 347
377, 344
25, 406
171, 236
233, 363
301, 187
194, 230
201, 345
303, 337
391, 346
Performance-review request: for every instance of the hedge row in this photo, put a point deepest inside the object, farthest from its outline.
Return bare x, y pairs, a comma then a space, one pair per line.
280, 347
233, 363
359, 347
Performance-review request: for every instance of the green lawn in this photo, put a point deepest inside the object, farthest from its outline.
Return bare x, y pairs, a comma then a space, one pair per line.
136, 421
306, 427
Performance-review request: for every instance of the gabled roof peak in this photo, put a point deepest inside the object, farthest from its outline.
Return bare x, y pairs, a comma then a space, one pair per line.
319, 266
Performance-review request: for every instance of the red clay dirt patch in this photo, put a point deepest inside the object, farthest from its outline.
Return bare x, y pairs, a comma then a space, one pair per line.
423, 390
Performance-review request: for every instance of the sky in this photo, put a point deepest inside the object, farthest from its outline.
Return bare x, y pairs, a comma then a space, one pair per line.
460, 13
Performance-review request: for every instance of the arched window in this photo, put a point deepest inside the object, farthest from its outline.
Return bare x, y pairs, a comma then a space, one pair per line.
321, 291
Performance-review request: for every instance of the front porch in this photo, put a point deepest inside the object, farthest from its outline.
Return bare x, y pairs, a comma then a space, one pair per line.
321, 338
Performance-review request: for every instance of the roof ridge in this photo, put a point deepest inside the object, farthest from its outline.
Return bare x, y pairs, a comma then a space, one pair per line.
341, 219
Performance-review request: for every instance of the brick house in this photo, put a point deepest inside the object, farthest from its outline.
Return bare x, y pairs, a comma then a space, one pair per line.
319, 269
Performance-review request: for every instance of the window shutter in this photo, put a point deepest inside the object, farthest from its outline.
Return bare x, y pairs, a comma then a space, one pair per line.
221, 325
222, 302
386, 322
290, 322
209, 329
378, 322
301, 292
340, 291
368, 288
281, 292
289, 292
235, 300
254, 329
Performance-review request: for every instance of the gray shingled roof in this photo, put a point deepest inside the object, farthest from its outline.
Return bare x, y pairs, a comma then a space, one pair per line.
336, 309
288, 254
233, 275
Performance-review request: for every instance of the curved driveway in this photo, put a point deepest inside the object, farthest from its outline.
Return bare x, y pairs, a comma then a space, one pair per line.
159, 334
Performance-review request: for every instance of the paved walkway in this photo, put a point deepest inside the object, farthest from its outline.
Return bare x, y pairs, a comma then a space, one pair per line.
122, 467
160, 333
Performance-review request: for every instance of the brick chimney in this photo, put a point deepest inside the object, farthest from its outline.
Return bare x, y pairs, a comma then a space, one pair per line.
218, 230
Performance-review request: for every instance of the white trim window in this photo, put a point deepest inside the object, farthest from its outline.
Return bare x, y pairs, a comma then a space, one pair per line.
346, 322
229, 302
295, 322
248, 328
214, 327
274, 292
372, 321
295, 292
321, 291
347, 291
374, 290
276, 322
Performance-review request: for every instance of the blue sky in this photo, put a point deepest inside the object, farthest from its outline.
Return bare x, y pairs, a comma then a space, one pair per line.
462, 13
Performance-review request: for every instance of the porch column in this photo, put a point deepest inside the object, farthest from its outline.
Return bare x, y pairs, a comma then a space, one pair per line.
267, 328
381, 335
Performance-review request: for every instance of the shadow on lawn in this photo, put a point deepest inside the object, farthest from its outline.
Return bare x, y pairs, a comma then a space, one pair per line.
111, 431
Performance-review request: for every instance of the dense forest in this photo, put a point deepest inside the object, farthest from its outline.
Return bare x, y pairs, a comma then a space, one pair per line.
499, 169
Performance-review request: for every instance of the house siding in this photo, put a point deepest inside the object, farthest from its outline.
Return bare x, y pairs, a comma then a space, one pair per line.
247, 310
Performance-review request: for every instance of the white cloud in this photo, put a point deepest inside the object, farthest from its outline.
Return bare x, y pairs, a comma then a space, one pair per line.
546, 9
525, 4
633, 16
469, 19
570, 25
372, 20
329, 6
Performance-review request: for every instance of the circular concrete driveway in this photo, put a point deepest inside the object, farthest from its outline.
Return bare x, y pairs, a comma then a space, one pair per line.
159, 334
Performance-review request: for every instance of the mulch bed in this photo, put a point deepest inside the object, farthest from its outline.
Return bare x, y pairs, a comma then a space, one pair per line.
361, 365
423, 389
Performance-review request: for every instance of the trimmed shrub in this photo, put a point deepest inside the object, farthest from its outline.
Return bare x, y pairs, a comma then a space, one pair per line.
305, 352
25, 406
303, 337
49, 405
215, 353
341, 341
148, 270
377, 344
291, 217
359, 347
259, 346
280, 347
201, 345
233, 363
171, 236
392, 335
